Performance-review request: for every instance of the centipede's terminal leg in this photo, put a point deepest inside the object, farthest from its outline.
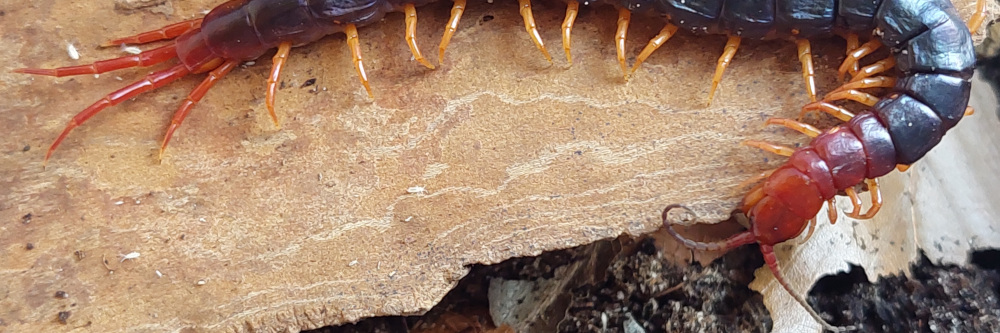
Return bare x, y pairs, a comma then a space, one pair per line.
144, 59
150, 82
808, 72
194, 97
449, 30
165, 33
272, 81
572, 9
532, 29
355, 45
772, 263
411, 34
727, 56
668, 31
624, 16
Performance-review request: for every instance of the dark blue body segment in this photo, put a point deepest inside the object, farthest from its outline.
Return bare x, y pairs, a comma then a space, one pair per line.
857, 16
805, 18
748, 18
945, 94
913, 126
694, 15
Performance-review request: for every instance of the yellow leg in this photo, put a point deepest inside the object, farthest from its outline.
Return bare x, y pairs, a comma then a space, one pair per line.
624, 15
668, 31
806, 129
355, 45
833, 110
770, 147
572, 8
808, 72
272, 81
411, 34
531, 28
854, 56
727, 56
449, 30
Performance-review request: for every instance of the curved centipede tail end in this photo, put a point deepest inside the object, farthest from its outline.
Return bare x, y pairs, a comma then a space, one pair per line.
772, 263
727, 244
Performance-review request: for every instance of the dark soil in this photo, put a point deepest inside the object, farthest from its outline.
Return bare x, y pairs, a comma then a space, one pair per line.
641, 291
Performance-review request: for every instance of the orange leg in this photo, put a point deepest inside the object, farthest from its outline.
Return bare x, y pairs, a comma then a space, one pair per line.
755, 179
150, 82
831, 210
856, 200
167, 32
865, 83
969, 111
355, 45
806, 129
531, 28
194, 97
572, 8
668, 31
854, 56
902, 167
772, 263
147, 58
411, 34
852, 44
808, 73
875, 68
727, 56
624, 15
852, 95
770, 147
752, 198
833, 110
272, 81
449, 30
978, 17
811, 227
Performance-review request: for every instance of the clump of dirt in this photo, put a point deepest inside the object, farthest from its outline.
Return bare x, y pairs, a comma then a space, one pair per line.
645, 291
935, 299
640, 291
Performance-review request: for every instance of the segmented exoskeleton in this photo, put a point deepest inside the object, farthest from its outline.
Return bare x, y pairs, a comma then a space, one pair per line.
933, 52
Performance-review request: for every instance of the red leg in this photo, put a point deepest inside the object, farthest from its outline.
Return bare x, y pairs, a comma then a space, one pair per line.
167, 32
150, 82
772, 263
193, 98
147, 58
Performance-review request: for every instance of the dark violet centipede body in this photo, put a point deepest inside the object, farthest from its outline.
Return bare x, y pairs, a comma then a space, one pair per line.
933, 51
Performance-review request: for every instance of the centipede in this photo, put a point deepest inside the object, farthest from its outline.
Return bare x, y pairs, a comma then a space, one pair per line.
931, 49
